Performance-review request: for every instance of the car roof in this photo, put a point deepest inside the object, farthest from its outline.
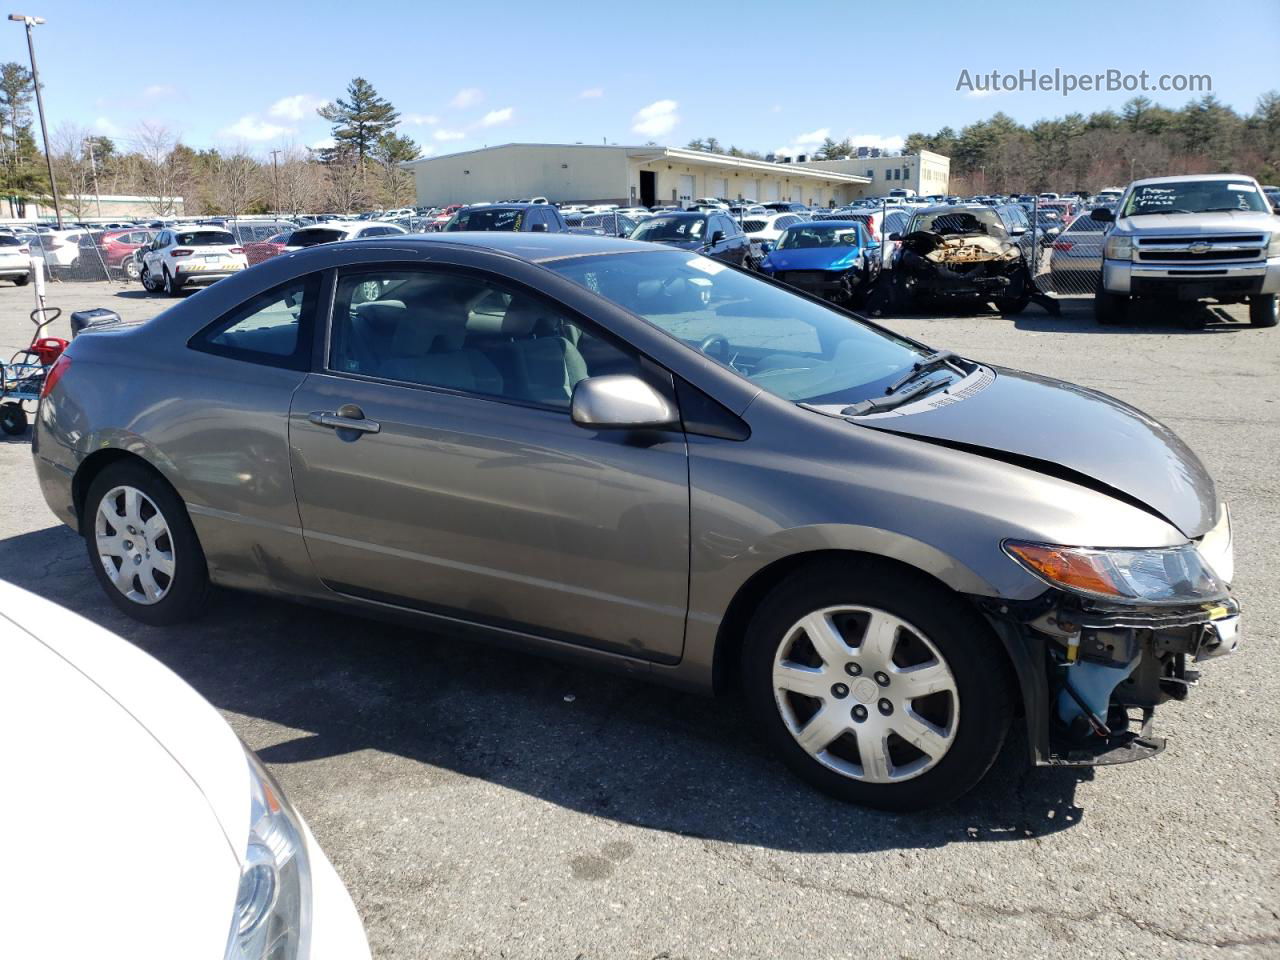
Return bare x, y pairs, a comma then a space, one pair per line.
827, 223
1195, 178
533, 247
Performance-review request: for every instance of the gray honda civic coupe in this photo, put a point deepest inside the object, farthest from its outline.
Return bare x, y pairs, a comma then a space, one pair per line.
650, 460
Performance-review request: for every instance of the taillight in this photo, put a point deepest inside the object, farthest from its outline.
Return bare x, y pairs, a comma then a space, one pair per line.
236, 250
1063, 245
182, 253
60, 366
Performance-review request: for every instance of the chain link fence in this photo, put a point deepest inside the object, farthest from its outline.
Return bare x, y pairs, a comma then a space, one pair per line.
1065, 250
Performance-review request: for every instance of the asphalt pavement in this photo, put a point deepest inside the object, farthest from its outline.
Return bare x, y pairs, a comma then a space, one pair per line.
483, 803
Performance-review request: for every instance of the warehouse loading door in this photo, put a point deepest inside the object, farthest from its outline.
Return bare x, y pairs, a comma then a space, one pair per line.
648, 188
685, 196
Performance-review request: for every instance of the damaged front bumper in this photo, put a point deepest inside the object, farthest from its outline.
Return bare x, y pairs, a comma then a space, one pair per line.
1085, 668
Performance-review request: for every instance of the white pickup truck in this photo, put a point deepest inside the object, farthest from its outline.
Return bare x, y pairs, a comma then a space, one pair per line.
1207, 236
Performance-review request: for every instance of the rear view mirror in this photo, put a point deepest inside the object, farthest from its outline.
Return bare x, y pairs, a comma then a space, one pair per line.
620, 402
1103, 215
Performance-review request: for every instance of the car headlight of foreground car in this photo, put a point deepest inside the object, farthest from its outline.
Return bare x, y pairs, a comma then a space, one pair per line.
272, 918
1165, 575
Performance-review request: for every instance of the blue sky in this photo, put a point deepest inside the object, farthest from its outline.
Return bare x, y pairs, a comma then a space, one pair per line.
759, 75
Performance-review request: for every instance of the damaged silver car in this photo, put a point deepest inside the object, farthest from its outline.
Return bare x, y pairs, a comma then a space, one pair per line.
644, 459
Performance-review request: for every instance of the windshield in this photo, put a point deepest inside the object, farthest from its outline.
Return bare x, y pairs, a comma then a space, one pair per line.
487, 219
818, 235
206, 238
972, 220
311, 236
1194, 196
670, 228
793, 347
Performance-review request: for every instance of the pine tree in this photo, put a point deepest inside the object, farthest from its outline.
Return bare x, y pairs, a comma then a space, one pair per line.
22, 171
359, 122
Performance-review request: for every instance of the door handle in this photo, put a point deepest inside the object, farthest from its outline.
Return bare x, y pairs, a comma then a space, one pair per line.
324, 418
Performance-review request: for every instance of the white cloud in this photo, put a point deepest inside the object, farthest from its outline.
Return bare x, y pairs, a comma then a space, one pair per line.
105, 126
449, 135
893, 142
250, 127
807, 142
776, 108
657, 119
296, 107
495, 117
158, 90
420, 119
466, 97
813, 137
592, 93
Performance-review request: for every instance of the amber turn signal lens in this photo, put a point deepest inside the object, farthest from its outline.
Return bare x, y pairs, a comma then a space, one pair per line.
1066, 567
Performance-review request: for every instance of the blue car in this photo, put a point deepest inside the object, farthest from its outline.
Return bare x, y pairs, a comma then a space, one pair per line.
833, 259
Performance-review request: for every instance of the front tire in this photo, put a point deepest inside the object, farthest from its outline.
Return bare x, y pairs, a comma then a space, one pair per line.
1262, 310
130, 269
877, 686
13, 419
1110, 309
142, 546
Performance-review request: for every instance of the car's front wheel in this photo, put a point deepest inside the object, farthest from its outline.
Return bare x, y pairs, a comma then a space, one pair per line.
877, 686
1110, 309
1262, 310
142, 545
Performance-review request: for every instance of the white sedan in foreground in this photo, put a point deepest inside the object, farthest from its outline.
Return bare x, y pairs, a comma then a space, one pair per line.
136, 824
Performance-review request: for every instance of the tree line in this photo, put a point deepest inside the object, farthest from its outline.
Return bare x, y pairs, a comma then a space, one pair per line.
360, 170
1079, 152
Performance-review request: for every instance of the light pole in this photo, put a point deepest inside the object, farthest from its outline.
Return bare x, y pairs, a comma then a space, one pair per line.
44, 130
275, 180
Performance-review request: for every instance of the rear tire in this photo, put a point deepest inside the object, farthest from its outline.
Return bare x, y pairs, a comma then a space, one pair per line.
960, 719
133, 534
172, 287
1262, 310
22, 281
13, 419
130, 269
1110, 309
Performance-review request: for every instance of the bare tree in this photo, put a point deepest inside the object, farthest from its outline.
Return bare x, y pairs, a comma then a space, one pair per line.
161, 167
346, 187
235, 182
298, 182
74, 167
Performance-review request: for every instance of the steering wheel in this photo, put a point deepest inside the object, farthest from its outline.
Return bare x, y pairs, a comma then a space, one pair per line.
716, 340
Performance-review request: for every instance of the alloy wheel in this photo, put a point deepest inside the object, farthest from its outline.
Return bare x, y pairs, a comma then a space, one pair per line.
134, 545
866, 694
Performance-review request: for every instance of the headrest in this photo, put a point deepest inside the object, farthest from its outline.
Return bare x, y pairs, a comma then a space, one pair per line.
382, 315
521, 318
439, 326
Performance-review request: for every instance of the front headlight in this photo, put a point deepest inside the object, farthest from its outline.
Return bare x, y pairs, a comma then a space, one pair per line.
1273, 248
1156, 576
1217, 548
272, 919
1118, 248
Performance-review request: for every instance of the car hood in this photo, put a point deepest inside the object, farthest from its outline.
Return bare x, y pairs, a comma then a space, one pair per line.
115, 846
1080, 434
811, 258
1195, 224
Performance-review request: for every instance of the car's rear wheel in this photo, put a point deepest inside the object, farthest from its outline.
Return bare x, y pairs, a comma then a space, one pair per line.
172, 286
1110, 309
877, 687
1263, 310
13, 419
142, 545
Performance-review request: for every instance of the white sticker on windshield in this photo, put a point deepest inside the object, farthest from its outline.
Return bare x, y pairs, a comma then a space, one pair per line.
1242, 187
707, 265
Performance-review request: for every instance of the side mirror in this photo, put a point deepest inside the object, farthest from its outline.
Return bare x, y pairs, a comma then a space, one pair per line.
766, 246
717, 237
895, 236
538, 228
619, 401
1103, 215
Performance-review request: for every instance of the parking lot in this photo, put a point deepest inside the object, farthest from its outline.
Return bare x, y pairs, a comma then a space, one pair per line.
484, 803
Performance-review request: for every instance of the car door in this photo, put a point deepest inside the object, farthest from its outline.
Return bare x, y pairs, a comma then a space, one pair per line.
152, 259
437, 468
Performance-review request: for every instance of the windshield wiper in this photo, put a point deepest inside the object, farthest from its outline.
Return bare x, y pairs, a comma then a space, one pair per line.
930, 362
877, 404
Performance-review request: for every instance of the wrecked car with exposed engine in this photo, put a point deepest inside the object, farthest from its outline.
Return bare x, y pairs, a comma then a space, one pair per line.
960, 255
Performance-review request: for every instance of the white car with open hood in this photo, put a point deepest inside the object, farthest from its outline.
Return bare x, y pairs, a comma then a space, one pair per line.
136, 823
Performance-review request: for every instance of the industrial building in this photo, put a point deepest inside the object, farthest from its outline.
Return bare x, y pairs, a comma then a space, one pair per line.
646, 176
924, 173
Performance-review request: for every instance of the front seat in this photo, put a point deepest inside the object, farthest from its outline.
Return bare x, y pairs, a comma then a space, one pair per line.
547, 364
428, 349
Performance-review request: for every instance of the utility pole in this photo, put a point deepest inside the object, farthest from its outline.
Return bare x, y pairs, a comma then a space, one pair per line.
275, 180
44, 129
